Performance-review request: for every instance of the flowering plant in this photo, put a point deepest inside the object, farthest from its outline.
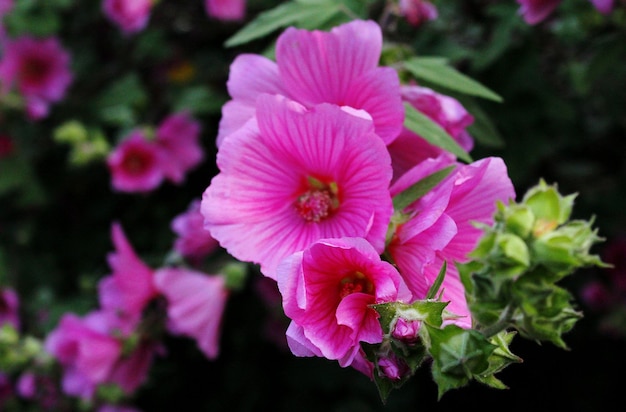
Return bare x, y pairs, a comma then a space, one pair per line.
331, 162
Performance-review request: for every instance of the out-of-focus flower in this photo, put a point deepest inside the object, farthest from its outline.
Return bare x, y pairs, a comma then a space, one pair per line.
293, 176
312, 67
195, 305
603, 6
91, 350
177, 138
226, 9
5, 7
441, 226
130, 15
417, 12
9, 308
38, 69
535, 11
409, 149
136, 164
327, 291
130, 287
193, 241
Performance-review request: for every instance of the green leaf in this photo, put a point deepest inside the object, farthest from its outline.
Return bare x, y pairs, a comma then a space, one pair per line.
420, 188
199, 100
432, 292
282, 16
436, 70
432, 132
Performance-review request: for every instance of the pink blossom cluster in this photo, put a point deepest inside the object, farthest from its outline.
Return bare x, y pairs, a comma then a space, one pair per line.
311, 152
116, 343
141, 162
417, 12
536, 11
36, 68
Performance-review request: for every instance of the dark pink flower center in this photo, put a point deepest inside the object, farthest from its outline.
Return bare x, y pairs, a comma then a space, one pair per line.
34, 70
136, 163
318, 201
355, 283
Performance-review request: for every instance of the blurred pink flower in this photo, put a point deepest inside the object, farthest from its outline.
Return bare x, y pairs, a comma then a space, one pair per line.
193, 241
195, 305
9, 308
442, 227
89, 349
417, 12
130, 15
327, 291
409, 149
226, 9
136, 164
130, 287
293, 176
603, 6
535, 11
177, 138
40, 71
5, 7
313, 67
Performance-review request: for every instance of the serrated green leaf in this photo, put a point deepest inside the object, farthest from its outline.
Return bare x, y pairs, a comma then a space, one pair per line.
282, 16
420, 188
432, 132
437, 70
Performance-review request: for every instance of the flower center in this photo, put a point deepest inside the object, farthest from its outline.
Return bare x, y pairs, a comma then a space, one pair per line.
136, 162
355, 283
34, 70
318, 202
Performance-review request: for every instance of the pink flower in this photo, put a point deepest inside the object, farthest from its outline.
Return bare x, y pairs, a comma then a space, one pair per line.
291, 177
86, 349
130, 15
130, 287
313, 67
177, 137
327, 291
417, 11
39, 69
442, 225
136, 164
603, 6
409, 149
195, 305
9, 308
535, 11
226, 9
193, 241
5, 7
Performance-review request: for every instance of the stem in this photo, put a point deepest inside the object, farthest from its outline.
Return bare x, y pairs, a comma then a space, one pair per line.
503, 322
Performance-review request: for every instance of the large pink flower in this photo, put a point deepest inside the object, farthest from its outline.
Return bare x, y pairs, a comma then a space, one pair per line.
195, 305
177, 138
535, 11
313, 67
409, 149
293, 176
327, 291
130, 15
136, 164
39, 70
9, 307
193, 241
130, 287
226, 9
441, 227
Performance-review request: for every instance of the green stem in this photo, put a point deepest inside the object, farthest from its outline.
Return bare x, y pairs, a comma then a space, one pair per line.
503, 322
